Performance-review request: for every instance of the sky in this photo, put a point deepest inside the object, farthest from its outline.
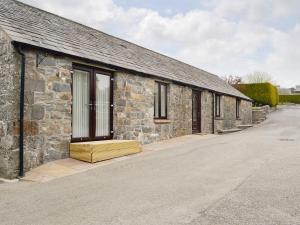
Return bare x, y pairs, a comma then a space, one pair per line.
224, 37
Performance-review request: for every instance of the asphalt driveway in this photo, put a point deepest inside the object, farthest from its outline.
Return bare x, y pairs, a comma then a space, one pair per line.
250, 177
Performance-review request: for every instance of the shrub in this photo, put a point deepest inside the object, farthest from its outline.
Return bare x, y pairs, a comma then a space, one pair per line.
289, 99
261, 93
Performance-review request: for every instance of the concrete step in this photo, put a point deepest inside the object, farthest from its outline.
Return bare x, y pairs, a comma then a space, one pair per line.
258, 122
245, 126
97, 151
229, 131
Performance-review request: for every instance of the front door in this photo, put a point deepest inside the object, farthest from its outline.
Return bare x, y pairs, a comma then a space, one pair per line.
196, 112
92, 104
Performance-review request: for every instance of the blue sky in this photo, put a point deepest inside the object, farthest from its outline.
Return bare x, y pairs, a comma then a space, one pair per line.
224, 37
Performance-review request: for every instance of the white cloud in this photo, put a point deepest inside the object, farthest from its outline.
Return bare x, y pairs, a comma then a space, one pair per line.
227, 37
285, 8
256, 10
284, 60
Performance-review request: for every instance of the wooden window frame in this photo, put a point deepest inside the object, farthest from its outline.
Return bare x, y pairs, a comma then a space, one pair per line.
217, 105
237, 108
159, 100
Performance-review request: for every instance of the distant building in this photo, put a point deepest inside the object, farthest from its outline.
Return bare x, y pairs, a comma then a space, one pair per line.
297, 89
284, 91
289, 91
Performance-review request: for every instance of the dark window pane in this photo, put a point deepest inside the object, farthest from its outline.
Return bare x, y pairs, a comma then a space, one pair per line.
238, 102
156, 100
218, 106
160, 100
195, 108
163, 97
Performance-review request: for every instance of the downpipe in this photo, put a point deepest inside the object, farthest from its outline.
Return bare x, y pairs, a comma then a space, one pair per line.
21, 121
213, 112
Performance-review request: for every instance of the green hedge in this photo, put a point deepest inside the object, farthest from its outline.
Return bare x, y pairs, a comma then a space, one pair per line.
289, 99
261, 93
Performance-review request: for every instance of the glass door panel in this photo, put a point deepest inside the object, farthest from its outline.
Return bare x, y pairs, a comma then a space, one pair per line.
81, 104
102, 105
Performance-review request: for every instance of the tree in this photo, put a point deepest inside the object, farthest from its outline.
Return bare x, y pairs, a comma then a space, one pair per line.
259, 77
233, 80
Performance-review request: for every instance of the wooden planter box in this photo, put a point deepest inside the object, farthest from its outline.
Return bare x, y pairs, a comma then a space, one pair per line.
97, 151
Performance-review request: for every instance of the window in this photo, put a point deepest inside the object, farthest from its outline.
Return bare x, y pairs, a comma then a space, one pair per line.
160, 101
238, 103
218, 105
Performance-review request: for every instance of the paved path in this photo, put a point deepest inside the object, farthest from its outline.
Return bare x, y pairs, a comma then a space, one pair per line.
251, 177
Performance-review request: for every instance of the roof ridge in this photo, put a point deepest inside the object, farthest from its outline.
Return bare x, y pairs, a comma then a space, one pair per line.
110, 35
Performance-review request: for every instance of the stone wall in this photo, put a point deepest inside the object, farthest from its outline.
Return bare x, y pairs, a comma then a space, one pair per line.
47, 109
229, 112
245, 113
48, 102
9, 108
134, 109
228, 118
180, 110
206, 112
259, 114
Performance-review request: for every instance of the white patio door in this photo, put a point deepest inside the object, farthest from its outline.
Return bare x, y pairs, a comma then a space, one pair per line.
92, 105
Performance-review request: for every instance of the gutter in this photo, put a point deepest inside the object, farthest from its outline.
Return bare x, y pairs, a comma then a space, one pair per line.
22, 97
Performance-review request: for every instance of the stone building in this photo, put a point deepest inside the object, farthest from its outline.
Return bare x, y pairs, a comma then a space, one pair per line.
83, 85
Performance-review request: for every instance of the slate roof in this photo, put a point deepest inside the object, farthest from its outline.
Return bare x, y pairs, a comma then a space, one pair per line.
29, 25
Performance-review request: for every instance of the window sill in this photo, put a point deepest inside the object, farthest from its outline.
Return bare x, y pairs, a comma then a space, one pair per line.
162, 121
